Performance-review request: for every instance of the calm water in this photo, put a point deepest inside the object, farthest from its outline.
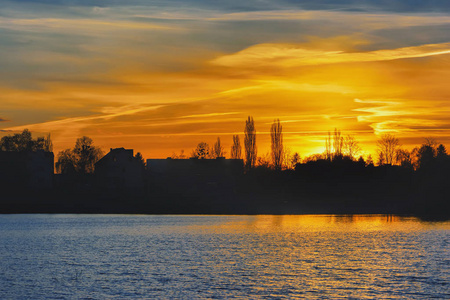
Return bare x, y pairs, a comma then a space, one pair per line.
191, 257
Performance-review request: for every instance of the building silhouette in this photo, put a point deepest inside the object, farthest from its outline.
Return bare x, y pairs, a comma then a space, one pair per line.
187, 172
194, 185
26, 169
120, 171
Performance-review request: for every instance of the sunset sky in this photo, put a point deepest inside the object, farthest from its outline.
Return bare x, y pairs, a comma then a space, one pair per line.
161, 76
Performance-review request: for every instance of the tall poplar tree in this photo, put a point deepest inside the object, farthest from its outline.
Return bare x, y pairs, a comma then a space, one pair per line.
276, 136
250, 143
217, 150
236, 149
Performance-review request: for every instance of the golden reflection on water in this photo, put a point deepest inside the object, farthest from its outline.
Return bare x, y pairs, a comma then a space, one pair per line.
270, 223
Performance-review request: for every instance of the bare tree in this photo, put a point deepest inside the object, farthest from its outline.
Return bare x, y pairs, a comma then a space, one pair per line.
286, 158
48, 144
250, 143
431, 142
236, 149
381, 160
264, 160
387, 148
276, 137
295, 159
290, 160
217, 150
328, 152
201, 152
338, 142
351, 147
403, 158
415, 157
178, 156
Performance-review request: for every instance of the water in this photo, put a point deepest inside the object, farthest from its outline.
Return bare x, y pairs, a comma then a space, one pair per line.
192, 257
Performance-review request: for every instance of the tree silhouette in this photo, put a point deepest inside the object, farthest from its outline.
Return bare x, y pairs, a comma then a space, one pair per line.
201, 152
24, 141
20, 142
426, 153
381, 159
328, 150
7, 144
140, 158
264, 161
295, 159
82, 157
315, 157
66, 162
276, 136
441, 152
38, 144
338, 143
387, 147
48, 144
404, 158
351, 147
290, 160
236, 149
178, 156
87, 155
361, 160
217, 150
250, 143
334, 147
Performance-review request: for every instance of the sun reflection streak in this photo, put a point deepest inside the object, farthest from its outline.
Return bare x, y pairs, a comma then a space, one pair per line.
317, 223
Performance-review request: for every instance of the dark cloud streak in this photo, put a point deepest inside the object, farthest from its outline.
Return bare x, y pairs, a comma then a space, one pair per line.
397, 6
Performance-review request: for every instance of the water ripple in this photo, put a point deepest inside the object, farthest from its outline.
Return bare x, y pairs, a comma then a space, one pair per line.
215, 257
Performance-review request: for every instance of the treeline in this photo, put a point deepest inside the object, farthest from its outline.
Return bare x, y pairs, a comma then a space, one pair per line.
21, 142
83, 156
337, 147
279, 158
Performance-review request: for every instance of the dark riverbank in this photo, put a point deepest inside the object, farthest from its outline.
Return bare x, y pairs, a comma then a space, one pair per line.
377, 190
266, 197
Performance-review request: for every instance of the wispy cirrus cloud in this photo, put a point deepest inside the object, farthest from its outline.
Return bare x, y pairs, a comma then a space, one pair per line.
74, 124
287, 55
77, 24
370, 20
402, 115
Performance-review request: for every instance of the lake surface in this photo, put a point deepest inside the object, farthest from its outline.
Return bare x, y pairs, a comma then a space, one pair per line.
192, 257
